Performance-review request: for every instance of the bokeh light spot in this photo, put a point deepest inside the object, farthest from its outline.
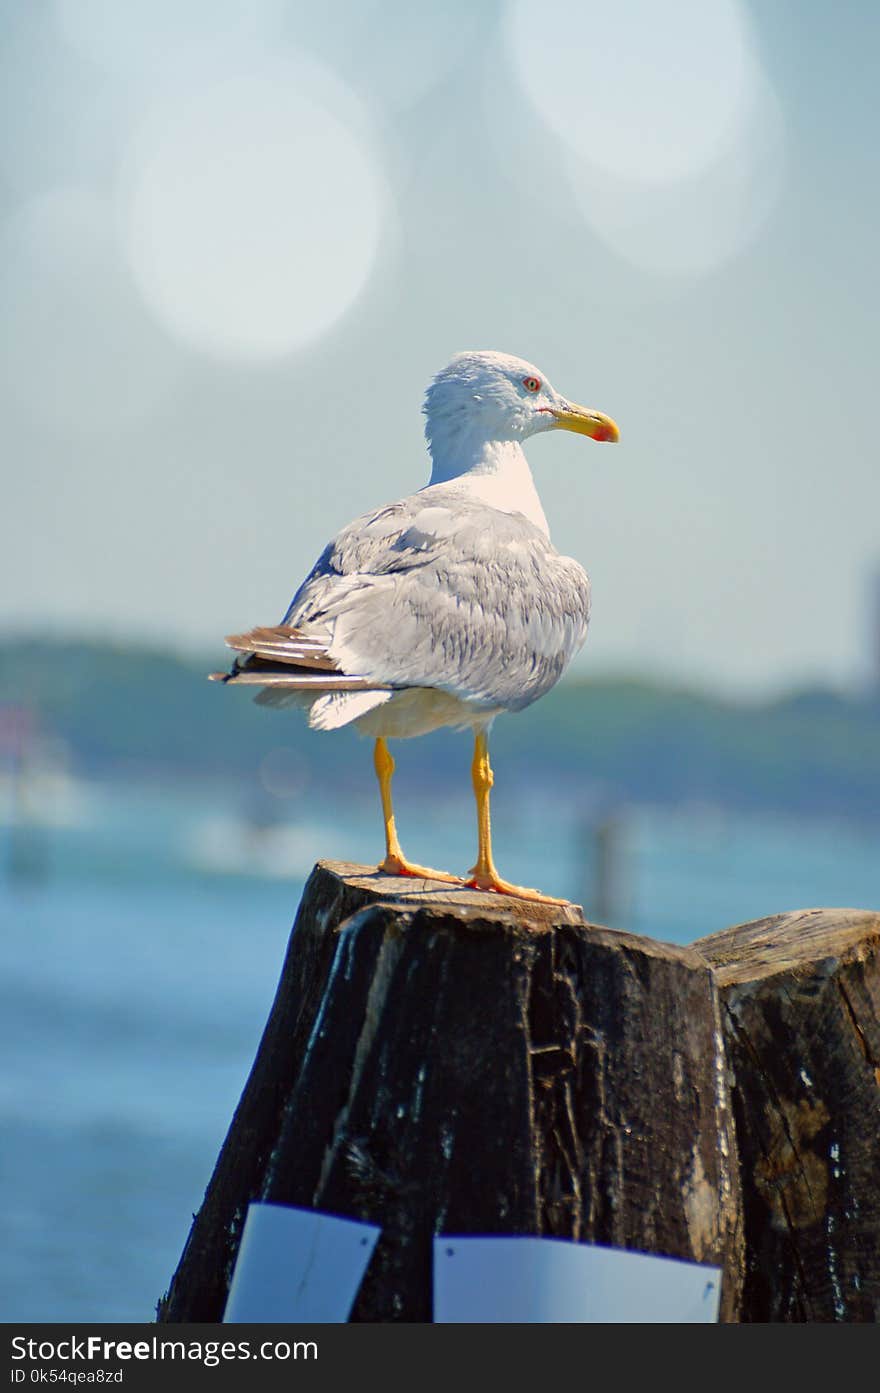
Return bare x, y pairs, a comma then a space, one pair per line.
643, 90
694, 225
254, 211
660, 118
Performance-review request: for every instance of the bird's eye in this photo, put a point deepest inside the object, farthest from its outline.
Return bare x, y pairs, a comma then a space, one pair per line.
532, 384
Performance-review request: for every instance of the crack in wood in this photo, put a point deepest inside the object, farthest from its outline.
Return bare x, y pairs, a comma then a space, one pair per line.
859, 1033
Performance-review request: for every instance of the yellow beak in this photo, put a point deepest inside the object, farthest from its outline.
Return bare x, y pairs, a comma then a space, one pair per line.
585, 422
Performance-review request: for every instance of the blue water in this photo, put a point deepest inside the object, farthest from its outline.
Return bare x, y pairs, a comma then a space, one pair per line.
141, 937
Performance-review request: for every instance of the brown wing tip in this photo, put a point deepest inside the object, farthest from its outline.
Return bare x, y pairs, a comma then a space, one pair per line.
218, 676
262, 634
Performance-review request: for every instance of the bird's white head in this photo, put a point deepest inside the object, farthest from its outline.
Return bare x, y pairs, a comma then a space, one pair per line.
482, 397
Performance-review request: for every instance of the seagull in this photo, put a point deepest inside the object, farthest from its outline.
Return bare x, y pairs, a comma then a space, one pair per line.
446, 608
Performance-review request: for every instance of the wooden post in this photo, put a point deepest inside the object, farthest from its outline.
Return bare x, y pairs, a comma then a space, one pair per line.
442, 1061
801, 1009
603, 854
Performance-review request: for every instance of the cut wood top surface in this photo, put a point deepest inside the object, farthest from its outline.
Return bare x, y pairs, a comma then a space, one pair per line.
785, 942
454, 899
468, 907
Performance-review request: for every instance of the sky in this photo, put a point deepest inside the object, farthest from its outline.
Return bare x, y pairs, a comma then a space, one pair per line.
238, 237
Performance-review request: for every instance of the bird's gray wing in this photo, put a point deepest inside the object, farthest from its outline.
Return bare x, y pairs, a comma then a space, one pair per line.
443, 592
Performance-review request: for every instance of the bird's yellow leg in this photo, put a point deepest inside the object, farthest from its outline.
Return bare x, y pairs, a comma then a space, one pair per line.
484, 876
395, 862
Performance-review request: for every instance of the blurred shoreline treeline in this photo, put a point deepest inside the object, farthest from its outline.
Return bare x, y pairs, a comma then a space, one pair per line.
137, 712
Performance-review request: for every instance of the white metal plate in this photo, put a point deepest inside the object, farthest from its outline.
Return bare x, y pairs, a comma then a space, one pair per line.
526, 1280
296, 1265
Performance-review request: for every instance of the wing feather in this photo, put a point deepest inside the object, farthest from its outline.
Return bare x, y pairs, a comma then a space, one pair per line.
283, 644
441, 591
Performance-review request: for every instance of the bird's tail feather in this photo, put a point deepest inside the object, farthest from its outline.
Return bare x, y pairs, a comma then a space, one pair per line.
294, 669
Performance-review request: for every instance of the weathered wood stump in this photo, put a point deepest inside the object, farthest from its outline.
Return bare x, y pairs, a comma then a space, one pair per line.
442, 1061
800, 1000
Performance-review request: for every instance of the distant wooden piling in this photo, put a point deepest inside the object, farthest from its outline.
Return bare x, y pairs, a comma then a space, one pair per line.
442, 1061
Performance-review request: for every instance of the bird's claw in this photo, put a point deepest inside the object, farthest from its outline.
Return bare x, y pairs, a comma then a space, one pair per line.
478, 879
398, 865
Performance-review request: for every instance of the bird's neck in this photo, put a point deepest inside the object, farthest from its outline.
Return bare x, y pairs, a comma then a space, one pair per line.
495, 472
